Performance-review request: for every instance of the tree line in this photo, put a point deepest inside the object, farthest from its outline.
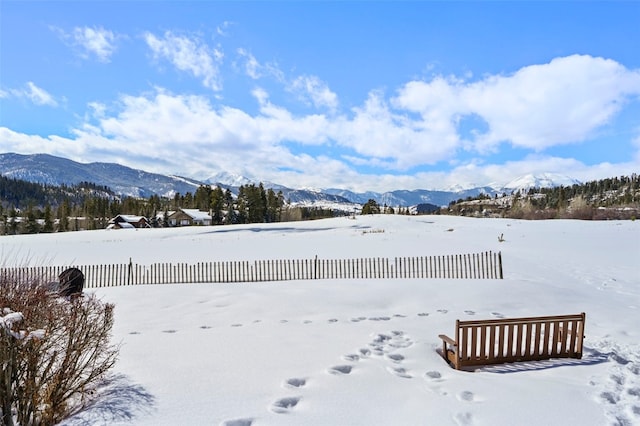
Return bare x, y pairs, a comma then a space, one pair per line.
610, 198
27, 207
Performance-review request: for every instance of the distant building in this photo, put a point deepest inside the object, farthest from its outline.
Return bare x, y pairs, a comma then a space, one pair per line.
126, 221
189, 217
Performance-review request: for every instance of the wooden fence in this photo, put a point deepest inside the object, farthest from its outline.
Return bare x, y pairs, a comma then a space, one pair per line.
487, 265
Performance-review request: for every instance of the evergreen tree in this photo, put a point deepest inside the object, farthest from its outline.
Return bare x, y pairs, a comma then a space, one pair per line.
371, 207
48, 221
230, 215
217, 205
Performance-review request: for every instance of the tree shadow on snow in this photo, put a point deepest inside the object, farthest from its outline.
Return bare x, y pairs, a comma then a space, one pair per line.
116, 400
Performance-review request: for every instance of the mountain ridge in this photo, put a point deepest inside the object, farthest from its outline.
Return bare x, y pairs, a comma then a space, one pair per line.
52, 170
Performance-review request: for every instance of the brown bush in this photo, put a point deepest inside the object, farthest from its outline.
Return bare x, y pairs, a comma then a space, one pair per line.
53, 352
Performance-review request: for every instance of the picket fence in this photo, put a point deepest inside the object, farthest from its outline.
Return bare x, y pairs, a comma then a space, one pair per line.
486, 265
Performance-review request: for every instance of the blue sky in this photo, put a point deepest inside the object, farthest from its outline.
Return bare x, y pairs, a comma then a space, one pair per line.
358, 95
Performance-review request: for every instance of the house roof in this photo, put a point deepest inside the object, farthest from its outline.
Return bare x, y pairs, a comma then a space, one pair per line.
196, 214
131, 218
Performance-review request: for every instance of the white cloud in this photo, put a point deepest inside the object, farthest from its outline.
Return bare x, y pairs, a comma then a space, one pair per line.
251, 65
316, 91
97, 41
39, 96
221, 29
378, 131
256, 70
191, 55
35, 94
537, 107
90, 41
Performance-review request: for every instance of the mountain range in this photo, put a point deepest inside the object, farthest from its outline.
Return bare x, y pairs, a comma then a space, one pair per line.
52, 170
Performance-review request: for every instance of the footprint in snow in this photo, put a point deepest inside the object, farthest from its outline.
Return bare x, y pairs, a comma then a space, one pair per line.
443, 311
397, 358
296, 382
340, 369
497, 314
463, 419
284, 405
169, 331
433, 375
399, 371
379, 318
364, 352
466, 396
470, 312
237, 422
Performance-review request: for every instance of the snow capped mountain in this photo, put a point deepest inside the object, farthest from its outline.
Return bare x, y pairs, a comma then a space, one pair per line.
51, 170
229, 179
47, 169
543, 180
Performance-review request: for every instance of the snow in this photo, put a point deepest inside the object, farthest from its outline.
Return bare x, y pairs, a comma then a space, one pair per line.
362, 352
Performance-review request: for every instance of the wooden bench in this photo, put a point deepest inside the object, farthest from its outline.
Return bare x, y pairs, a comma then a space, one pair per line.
497, 341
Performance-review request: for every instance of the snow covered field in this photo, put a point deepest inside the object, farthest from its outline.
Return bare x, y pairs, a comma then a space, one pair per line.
362, 352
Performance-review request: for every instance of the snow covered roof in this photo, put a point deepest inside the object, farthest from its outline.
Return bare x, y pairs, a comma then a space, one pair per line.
197, 214
131, 218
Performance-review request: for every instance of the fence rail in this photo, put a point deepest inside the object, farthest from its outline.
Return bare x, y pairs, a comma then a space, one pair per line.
486, 265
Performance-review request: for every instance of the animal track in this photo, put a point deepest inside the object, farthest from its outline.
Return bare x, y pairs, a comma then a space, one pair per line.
169, 331
237, 422
351, 357
341, 369
379, 319
466, 396
296, 382
284, 405
463, 419
620, 391
400, 372
497, 314
395, 357
443, 311
433, 375
470, 312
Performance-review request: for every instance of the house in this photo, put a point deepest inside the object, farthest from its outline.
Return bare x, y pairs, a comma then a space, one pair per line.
188, 217
126, 221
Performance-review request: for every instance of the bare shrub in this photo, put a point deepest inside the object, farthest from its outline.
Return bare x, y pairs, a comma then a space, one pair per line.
53, 352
